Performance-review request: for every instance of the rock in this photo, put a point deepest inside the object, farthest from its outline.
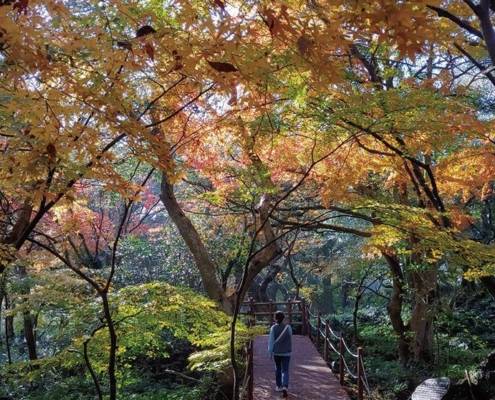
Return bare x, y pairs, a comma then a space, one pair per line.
486, 378
432, 389
335, 367
487, 368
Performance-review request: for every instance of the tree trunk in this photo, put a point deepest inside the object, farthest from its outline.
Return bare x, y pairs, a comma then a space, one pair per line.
326, 305
424, 284
262, 294
9, 320
359, 295
268, 288
205, 265
344, 294
29, 335
3, 292
15, 237
394, 307
269, 253
112, 354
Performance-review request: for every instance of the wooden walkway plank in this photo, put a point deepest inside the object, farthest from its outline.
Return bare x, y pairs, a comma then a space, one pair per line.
309, 376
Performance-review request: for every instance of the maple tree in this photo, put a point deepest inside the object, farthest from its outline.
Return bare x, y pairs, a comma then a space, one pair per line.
255, 120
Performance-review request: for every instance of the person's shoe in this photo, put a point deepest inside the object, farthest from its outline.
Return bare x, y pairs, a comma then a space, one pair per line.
278, 389
284, 392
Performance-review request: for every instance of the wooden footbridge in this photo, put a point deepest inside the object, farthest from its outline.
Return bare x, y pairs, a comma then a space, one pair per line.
315, 349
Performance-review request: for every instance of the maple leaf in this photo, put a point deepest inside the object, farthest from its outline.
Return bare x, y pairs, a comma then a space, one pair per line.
222, 66
145, 30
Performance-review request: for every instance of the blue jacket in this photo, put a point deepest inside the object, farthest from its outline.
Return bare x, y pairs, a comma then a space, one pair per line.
282, 346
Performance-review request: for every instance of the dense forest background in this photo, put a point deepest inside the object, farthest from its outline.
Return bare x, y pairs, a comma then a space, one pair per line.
162, 161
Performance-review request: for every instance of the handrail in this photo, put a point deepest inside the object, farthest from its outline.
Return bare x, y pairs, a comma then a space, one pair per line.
266, 303
343, 359
315, 333
326, 334
249, 378
260, 313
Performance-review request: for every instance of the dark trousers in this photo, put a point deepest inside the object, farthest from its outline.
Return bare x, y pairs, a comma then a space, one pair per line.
282, 370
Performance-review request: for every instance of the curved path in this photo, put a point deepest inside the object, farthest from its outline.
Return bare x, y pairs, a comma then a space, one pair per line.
310, 377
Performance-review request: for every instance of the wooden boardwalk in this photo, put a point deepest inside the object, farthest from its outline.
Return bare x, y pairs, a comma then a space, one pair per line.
310, 377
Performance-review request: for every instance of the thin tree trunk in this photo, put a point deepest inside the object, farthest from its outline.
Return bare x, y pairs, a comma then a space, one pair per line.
9, 329
94, 377
354, 315
327, 304
9, 320
112, 356
2, 295
344, 294
28, 321
29, 335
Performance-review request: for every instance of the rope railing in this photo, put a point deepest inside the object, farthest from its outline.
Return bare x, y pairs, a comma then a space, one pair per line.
323, 335
353, 376
365, 378
320, 332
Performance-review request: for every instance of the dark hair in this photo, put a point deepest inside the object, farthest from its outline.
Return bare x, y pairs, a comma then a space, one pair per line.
279, 316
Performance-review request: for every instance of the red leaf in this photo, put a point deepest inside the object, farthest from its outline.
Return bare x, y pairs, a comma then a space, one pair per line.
145, 30
222, 67
148, 47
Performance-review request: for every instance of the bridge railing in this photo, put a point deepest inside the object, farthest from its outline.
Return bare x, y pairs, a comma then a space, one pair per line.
327, 341
248, 378
320, 332
261, 313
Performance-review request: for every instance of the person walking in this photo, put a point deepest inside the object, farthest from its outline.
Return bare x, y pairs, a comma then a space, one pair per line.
280, 348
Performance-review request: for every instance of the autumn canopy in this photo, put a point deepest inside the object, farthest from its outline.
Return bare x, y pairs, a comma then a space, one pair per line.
224, 141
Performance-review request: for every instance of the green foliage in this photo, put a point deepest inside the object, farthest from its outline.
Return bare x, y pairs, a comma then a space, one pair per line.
156, 323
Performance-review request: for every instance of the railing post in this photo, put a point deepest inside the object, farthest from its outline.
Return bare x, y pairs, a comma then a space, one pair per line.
360, 372
253, 311
318, 334
271, 314
250, 371
341, 359
304, 317
325, 343
289, 311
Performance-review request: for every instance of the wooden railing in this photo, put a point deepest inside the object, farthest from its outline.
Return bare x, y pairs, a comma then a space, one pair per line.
249, 370
261, 313
322, 335
320, 332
